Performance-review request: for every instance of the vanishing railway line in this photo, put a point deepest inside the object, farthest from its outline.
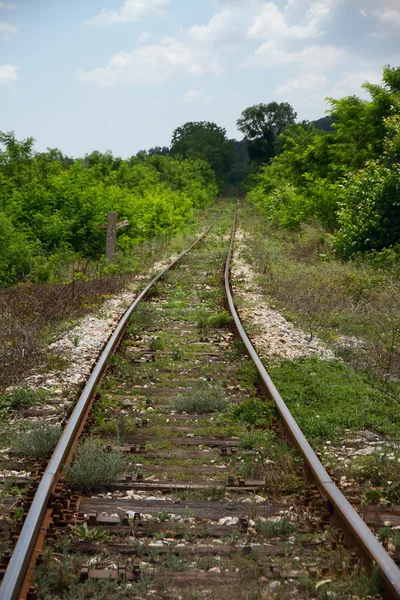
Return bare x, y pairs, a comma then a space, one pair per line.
211, 502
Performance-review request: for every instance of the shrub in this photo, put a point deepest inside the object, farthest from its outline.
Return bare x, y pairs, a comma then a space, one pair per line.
202, 399
37, 440
94, 467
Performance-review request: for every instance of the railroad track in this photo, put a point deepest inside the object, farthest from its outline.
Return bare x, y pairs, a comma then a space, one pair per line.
210, 500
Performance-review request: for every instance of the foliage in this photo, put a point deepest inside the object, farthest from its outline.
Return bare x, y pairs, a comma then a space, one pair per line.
37, 440
205, 141
346, 176
94, 467
51, 206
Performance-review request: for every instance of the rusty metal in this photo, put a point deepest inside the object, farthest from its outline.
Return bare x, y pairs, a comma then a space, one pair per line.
340, 509
16, 581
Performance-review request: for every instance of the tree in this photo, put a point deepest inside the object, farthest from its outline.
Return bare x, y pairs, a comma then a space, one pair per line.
261, 124
205, 141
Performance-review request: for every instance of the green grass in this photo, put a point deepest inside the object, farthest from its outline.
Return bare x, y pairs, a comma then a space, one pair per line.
328, 397
253, 411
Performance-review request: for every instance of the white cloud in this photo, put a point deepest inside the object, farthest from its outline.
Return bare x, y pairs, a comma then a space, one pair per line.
303, 82
351, 81
387, 16
131, 10
144, 37
225, 26
8, 74
193, 96
154, 64
272, 22
6, 30
314, 58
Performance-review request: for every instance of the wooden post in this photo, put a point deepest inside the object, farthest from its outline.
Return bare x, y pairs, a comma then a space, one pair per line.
112, 227
111, 237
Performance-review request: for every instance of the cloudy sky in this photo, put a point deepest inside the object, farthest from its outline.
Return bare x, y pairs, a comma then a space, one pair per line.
122, 74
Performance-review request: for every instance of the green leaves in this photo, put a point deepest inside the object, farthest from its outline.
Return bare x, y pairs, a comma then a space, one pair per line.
51, 206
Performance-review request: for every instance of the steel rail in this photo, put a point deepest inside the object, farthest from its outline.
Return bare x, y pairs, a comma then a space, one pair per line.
21, 557
339, 507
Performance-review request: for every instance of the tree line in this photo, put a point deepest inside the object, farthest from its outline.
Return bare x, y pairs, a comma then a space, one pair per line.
342, 170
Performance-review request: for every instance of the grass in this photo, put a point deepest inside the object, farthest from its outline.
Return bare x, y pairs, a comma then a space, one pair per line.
328, 397
301, 275
276, 529
94, 467
37, 440
253, 411
202, 399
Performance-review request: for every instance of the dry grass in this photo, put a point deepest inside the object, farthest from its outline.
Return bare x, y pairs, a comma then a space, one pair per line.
29, 312
352, 305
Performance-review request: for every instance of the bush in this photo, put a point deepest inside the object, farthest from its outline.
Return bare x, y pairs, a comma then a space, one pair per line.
37, 440
202, 399
94, 467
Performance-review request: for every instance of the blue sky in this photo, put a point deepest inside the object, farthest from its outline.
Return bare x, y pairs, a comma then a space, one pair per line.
122, 74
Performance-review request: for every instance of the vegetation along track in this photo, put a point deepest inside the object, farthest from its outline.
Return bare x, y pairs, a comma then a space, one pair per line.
182, 485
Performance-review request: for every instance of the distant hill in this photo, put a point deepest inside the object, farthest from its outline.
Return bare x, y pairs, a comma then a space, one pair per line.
324, 123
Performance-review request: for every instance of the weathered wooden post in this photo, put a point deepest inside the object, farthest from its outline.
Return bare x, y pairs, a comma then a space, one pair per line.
112, 227
111, 237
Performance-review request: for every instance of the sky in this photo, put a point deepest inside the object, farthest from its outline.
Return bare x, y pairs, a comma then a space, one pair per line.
121, 75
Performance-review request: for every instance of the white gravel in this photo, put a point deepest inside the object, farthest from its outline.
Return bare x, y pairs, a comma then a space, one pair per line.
81, 345
273, 336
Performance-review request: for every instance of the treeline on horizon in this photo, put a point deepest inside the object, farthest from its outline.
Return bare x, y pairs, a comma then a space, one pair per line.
341, 170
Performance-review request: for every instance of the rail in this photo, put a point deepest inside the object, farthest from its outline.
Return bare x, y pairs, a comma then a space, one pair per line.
17, 570
338, 506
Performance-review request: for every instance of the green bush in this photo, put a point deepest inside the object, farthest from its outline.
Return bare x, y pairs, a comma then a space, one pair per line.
37, 440
202, 399
94, 467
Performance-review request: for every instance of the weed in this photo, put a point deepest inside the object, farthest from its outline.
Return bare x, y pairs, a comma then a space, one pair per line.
121, 428
37, 440
141, 318
20, 398
157, 343
177, 354
94, 467
205, 563
272, 529
201, 399
162, 516
220, 320
253, 411
83, 532
175, 563
253, 440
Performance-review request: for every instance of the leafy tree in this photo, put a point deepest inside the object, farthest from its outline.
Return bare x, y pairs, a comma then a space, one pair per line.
206, 141
261, 124
347, 177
